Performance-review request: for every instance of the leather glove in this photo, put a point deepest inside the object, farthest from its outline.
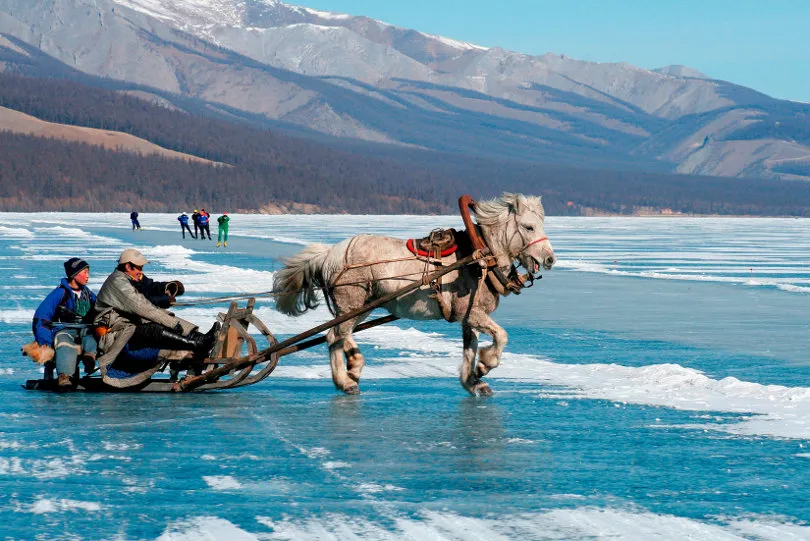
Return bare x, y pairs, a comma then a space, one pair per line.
178, 329
171, 289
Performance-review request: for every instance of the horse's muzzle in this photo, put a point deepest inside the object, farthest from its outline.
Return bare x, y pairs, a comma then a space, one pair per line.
549, 261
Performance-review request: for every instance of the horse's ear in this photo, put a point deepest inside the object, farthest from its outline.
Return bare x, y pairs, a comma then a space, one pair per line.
512, 202
516, 206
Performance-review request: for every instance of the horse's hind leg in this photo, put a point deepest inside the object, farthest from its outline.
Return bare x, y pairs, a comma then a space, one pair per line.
336, 338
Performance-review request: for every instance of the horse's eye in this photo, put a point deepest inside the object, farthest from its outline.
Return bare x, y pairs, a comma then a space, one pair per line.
529, 228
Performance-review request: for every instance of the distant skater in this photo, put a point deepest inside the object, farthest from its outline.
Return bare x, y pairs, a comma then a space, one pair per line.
205, 227
133, 216
223, 228
196, 219
183, 219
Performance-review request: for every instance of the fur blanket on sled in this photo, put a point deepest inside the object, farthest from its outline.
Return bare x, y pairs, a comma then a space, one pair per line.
39, 354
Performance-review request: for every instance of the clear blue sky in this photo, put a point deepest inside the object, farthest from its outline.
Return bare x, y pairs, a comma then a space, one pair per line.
761, 44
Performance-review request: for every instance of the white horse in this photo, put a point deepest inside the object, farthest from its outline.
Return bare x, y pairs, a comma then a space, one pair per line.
364, 268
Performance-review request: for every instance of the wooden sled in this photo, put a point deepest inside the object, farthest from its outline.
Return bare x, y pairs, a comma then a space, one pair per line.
233, 340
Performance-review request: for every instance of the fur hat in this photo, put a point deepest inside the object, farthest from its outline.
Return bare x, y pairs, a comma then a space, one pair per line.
74, 266
39, 354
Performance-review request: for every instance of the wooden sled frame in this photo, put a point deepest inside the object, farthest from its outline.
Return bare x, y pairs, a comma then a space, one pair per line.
233, 337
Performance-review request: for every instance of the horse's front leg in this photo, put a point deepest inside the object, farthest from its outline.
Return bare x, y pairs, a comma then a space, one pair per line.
354, 359
336, 339
469, 378
490, 356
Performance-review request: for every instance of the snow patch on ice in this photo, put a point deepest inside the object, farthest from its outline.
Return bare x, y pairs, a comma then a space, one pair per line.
374, 488
15, 233
48, 506
222, 482
582, 523
206, 528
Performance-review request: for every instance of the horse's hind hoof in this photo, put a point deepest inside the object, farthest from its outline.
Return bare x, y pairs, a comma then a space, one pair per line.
352, 388
481, 389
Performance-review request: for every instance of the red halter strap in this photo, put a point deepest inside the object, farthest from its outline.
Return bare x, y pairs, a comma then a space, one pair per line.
541, 239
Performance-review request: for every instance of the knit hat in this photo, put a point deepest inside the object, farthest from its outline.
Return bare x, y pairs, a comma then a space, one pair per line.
74, 266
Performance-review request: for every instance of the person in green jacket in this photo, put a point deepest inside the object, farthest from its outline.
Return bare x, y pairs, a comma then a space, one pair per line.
223, 229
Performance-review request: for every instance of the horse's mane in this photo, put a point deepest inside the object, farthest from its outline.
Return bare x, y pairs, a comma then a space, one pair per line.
496, 211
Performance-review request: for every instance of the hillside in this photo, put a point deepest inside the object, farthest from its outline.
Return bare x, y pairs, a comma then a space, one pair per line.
341, 76
272, 170
17, 122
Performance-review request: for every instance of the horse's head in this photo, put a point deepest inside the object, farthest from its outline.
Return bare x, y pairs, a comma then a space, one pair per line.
514, 228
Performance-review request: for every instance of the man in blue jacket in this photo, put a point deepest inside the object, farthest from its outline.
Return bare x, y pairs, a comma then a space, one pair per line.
62, 330
205, 227
183, 219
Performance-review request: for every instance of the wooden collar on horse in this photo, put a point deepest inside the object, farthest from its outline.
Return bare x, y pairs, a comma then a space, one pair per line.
503, 284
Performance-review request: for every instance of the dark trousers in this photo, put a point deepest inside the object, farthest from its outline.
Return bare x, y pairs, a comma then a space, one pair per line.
136, 224
205, 229
183, 228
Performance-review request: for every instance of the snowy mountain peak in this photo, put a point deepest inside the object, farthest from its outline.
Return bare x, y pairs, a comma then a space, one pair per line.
678, 70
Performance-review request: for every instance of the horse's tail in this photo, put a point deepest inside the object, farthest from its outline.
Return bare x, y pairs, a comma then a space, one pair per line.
296, 285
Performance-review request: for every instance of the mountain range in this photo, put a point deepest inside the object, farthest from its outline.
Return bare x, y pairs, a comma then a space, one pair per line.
327, 75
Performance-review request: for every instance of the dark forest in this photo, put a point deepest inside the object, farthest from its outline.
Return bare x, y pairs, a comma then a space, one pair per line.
263, 166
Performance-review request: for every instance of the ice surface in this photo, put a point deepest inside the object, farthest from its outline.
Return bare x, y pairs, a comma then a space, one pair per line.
654, 441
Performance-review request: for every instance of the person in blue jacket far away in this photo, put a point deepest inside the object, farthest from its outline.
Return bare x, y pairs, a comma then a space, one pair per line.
205, 226
133, 216
183, 219
63, 333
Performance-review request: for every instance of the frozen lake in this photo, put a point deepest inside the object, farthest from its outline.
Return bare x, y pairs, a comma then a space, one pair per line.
655, 386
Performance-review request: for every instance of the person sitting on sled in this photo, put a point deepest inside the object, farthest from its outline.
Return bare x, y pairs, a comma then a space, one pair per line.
62, 327
138, 337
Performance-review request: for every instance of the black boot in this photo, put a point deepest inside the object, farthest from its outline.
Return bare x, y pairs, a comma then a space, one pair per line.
209, 339
167, 339
153, 335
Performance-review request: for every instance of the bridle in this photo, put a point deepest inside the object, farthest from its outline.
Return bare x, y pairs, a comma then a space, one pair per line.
503, 284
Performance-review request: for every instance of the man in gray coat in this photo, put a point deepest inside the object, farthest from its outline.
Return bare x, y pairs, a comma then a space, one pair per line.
136, 336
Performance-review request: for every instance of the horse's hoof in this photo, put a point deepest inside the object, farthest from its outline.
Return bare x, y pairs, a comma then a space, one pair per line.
352, 388
481, 389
